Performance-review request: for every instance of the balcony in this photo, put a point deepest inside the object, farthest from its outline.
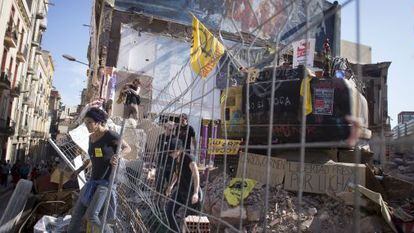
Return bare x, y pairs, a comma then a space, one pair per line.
38, 51
15, 91
5, 79
23, 131
27, 101
10, 38
7, 127
35, 77
22, 54
43, 24
35, 43
38, 134
30, 71
40, 15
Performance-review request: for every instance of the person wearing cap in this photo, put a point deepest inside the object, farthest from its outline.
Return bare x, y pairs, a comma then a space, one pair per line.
102, 150
187, 134
186, 179
165, 163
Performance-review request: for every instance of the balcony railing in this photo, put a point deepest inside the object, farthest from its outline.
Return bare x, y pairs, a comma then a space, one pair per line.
39, 51
35, 77
23, 131
7, 127
10, 39
38, 134
15, 91
5, 79
40, 15
22, 54
28, 101
43, 24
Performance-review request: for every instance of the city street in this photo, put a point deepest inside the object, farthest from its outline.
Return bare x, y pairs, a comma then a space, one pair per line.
207, 116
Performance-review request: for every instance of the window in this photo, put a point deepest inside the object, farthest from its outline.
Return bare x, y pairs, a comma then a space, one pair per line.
3, 62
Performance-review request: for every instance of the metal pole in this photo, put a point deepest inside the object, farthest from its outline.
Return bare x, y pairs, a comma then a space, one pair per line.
112, 179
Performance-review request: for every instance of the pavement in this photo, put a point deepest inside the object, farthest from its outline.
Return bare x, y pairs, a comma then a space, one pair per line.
5, 195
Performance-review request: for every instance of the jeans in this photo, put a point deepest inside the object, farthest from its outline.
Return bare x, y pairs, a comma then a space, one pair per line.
92, 212
173, 207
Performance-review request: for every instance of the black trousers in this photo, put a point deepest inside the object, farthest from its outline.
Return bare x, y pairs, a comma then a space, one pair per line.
181, 201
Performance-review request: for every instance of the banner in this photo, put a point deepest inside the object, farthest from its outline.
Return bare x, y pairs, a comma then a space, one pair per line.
256, 168
303, 52
206, 50
221, 146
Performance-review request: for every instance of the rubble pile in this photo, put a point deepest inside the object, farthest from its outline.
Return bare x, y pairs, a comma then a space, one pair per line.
319, 213
401, 166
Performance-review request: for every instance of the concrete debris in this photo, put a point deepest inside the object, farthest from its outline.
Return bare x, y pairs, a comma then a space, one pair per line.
401, 166
319, 213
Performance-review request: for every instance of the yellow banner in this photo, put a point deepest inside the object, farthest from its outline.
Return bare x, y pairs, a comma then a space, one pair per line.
206, 50
221, 146
306, 85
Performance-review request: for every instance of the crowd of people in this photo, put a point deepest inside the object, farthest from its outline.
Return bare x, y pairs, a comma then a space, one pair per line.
12, 173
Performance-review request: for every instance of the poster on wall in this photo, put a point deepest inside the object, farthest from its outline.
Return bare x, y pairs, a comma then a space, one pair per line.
323, 101
303, 52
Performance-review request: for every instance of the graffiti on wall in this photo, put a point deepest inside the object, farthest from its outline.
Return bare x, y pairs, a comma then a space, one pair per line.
264, 18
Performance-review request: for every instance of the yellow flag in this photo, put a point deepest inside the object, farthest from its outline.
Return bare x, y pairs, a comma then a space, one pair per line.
308, 97
206, 50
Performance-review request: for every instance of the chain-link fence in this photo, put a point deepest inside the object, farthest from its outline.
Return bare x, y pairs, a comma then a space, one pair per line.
271, 146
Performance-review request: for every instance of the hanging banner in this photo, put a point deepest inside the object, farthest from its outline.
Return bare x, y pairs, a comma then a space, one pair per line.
221, 146
206, 50
303, 52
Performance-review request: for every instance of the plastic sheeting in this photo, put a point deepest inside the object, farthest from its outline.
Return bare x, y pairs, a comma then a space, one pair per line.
175, 88
51, 224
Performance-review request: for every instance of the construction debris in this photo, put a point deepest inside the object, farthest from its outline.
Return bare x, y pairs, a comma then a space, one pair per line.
319, 213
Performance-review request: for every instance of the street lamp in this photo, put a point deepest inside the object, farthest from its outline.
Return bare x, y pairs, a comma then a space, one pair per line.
70, 58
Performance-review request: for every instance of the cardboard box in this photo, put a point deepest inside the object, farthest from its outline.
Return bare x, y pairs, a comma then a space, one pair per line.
256, 168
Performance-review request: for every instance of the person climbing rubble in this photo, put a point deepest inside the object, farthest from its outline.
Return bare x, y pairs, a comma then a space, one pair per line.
103, 144
188, 191
165, 163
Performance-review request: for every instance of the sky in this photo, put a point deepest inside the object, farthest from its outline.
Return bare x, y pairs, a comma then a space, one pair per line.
385, 26
388, 28
66, 34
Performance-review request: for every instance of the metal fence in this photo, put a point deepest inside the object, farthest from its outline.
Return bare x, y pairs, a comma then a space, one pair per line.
282, 153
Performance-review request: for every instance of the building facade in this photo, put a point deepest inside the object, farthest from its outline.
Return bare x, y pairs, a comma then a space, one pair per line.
55, 106
405, 116
349, 51
25, 69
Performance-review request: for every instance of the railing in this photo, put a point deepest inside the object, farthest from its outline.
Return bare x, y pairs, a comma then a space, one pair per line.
22, 54
23, 131
43, 24
7, 126
11, 36
38, 134
15, 92
5, 78
403, 130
